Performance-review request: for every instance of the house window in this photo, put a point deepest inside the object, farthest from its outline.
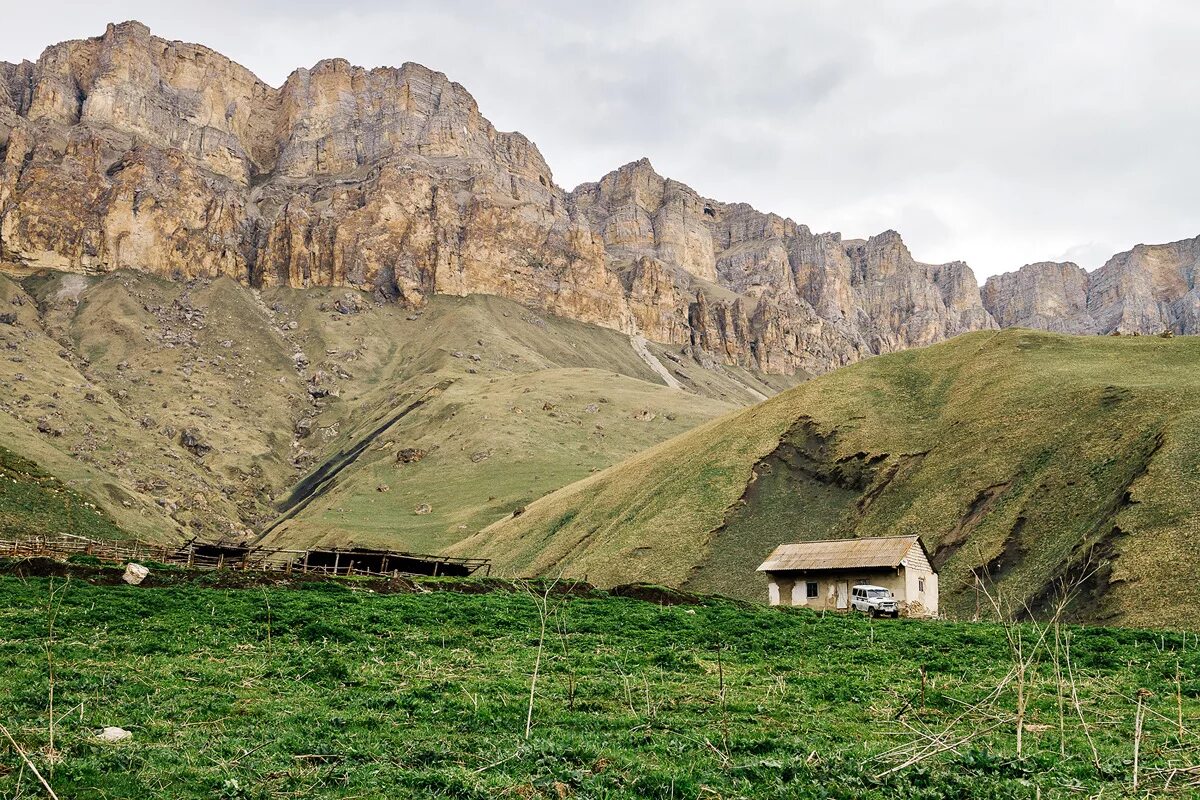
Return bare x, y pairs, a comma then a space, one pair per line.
811, 589
920, 584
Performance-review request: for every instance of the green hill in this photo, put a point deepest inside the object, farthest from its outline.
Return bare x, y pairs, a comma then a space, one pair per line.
1033, 460
205, 408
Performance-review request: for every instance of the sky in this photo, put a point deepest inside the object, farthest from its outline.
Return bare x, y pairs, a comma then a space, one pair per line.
997, 133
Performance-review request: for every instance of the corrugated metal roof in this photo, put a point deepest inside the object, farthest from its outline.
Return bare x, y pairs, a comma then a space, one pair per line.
885, 551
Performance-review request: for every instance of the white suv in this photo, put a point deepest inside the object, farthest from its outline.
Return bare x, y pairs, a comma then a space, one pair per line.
873, 600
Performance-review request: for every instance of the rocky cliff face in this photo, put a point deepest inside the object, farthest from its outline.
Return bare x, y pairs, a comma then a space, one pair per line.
758, 288
130, 151
1146, 290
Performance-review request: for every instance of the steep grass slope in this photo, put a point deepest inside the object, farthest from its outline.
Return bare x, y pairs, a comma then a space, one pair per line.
1033, 460
199, 408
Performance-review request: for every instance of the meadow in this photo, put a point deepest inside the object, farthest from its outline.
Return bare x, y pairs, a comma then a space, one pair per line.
331, 690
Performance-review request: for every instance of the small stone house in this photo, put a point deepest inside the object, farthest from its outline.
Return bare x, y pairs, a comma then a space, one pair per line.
819, 575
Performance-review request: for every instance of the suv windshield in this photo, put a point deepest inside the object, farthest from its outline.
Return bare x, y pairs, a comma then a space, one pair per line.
879, 593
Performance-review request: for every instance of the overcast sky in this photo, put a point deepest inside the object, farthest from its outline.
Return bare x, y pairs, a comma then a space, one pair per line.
999, 133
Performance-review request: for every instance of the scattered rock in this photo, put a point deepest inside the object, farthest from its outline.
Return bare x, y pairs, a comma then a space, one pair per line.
134, 575
410, 455
349, 303
644, 416
518, 511
591, 408
383, 487
423, 508
481, 455
44, 425
457, 354
192, 440
8, 318
547, 406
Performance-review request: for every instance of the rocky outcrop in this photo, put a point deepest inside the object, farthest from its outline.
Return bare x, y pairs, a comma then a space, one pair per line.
763, 290
1048, 295
1147, 290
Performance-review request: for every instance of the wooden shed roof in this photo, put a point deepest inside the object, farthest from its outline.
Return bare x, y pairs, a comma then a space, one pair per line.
880, 552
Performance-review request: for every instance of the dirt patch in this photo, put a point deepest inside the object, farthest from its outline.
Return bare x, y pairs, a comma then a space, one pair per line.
659, 595
983, 503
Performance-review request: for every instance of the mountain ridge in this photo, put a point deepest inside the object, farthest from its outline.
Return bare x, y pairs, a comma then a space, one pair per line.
131, 151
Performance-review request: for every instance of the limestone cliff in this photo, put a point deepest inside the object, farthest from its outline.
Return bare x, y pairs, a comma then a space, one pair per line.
131, 151
1047, 295
1147, 290
757, 288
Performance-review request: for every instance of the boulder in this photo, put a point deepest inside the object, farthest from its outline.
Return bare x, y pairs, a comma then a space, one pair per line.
135, 574
193, 441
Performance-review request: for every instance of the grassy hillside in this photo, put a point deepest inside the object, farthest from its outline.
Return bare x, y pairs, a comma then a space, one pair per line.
330, 692
1033, 460
183, 409
33, 503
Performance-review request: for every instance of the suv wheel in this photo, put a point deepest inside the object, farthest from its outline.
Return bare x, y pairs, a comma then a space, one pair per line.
873, 612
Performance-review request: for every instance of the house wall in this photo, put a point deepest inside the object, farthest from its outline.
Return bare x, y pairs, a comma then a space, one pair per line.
920, 603
790, 588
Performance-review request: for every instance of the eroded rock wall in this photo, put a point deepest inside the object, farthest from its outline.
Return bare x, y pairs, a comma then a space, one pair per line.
131, 151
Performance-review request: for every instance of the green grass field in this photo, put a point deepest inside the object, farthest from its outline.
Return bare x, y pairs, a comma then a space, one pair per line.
335, 692
1037, 461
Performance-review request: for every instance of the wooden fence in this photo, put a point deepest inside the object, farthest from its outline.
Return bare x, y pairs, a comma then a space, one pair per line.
260, 559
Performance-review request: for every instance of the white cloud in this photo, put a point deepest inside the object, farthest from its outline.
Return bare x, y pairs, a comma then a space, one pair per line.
999, 133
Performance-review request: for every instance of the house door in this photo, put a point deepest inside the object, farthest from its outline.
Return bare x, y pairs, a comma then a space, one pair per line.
843, 595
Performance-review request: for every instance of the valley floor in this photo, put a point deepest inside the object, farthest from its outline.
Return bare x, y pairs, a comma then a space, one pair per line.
336, 691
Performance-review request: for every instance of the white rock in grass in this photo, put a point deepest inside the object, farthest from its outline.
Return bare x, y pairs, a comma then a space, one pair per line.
114, 735
135, 574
